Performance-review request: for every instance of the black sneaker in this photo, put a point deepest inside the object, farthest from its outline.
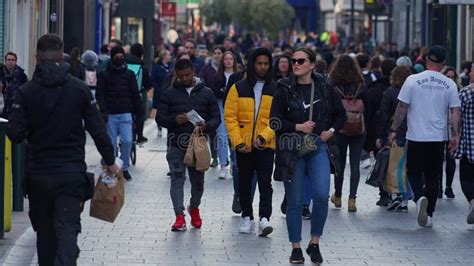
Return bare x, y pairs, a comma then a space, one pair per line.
283, 205
168, 174
383, 201
236, 204
449, 193
306, 212
394, 205
314, 253
297, 256
127, 176
440, 193
142, 139
402, 209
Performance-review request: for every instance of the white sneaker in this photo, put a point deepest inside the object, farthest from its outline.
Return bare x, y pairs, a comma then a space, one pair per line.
470, 216
246, 225
366, 163
421, 206
264, 227
223, 172
429, 222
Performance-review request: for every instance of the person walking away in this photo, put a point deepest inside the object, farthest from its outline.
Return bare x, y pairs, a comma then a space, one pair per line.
306, 105
53, 112
425, 99
119, 101
451, 73
347, 80
186, 94
397, 202
247, 114
465, 152
135, 63
90, 61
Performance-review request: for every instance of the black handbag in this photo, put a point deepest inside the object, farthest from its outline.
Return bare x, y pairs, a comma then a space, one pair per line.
307, 143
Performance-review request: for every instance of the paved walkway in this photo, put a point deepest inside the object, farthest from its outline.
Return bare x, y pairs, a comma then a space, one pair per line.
141, 234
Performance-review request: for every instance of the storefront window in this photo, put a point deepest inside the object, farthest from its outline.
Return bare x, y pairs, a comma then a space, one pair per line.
134, 31
115, 29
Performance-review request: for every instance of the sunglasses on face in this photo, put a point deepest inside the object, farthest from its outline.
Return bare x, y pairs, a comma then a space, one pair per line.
299, 61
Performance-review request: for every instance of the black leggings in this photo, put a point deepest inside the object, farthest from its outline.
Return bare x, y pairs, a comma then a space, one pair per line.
450, 169
355, 144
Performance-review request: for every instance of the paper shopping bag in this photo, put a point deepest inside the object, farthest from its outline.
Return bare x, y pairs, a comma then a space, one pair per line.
108, 200
396, 181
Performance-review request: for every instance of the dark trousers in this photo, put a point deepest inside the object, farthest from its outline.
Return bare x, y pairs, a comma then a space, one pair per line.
466, 174
450, 169
423, 160
355, 144
55, 208
261, 162
213, 145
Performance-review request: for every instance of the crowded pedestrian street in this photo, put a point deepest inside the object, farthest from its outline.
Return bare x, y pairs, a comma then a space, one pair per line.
141, 234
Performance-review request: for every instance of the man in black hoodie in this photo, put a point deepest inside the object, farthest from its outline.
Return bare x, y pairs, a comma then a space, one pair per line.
187, 93
52, 112
120, 104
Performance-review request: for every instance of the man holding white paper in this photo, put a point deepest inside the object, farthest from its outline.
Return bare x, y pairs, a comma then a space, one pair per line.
187, 101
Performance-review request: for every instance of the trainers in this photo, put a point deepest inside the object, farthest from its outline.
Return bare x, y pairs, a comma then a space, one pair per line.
421, 206
470, 216
402, 209
179, 224
449, 193
246, 225
429, 222
366, 163
297, 256
264, 227
351, 205
236, 208
142, 139
223, 172
127, 175
283, 206
306, 212
336, 201
314, 253
214, 163
394, 205
196, 220
383, 201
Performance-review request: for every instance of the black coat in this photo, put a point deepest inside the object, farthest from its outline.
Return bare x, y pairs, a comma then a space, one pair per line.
117, 91
177, 100
385, 118
52, 112
288, 110
374, 93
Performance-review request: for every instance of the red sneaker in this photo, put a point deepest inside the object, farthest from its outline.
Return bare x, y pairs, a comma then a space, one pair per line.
195, 217
179, 224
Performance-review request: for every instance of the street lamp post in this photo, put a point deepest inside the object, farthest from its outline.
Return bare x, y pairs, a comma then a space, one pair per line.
407, 28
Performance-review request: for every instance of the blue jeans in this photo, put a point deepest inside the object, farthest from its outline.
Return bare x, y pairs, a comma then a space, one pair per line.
120, 125
317, 167
222, 138
307, 190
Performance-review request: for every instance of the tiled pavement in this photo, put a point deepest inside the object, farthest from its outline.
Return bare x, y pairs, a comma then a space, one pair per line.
141, 234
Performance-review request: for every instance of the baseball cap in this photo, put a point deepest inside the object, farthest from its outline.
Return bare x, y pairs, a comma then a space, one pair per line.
437, 54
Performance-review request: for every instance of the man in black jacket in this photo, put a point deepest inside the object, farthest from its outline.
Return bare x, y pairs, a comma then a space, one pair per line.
119, 102
186, 94
52, 112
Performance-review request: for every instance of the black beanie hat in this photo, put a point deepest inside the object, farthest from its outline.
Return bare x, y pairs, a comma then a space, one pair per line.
116, 50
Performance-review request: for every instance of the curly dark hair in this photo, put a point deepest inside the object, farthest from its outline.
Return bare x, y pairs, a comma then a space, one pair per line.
346, 71
399, 75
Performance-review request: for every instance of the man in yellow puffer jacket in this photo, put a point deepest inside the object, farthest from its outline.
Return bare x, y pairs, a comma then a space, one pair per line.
246, 115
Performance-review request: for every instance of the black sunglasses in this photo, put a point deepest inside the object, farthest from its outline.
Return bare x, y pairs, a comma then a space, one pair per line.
300, 61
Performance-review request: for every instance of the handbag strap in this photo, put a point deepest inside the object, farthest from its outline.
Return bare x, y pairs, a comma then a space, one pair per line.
311, 102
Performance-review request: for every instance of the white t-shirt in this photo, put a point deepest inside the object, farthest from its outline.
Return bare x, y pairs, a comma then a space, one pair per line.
227, 76
258, 88
430, 95
189, 90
